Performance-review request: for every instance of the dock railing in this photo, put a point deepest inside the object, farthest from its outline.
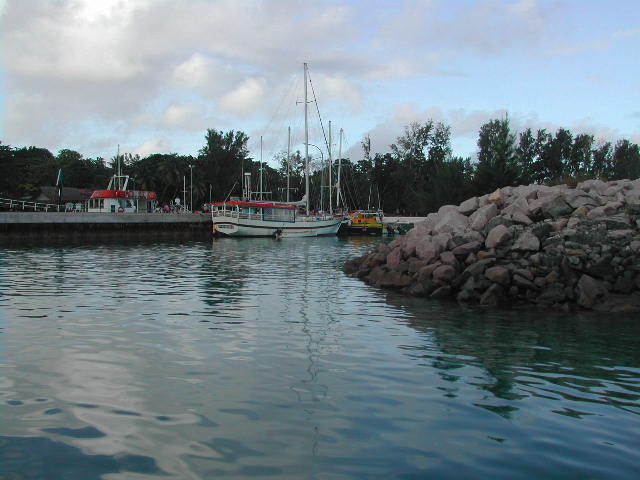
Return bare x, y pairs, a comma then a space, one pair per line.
25, 205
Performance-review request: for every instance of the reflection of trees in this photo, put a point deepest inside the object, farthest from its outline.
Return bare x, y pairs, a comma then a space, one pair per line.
528, 352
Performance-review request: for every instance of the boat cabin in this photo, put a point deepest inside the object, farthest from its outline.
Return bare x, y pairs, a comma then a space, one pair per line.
117, 199
275, 212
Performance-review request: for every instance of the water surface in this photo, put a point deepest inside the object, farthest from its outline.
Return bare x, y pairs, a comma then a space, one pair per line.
242, 358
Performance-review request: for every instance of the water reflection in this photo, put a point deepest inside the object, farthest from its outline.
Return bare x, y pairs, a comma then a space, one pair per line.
255, 357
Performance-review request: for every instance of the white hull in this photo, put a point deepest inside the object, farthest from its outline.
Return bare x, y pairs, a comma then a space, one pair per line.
247, 227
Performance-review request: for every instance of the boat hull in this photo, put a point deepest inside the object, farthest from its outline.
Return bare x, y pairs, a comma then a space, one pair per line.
241, 227
362, 229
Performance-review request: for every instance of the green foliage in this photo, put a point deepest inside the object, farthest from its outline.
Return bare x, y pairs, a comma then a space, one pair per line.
222, 161
417, 176
497, 160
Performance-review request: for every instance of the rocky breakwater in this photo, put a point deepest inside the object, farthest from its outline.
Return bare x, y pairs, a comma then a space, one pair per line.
557, 247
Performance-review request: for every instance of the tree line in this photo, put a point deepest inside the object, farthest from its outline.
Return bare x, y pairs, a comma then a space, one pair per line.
419, 174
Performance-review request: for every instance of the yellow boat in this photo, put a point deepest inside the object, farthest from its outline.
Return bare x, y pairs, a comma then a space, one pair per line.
363, 223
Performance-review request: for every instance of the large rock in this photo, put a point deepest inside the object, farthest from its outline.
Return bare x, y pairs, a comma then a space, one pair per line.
479, 219
556, 207
590, 291
551, 246
527, 242
469, 206
498, 274
451, 222
444, 273
498, 235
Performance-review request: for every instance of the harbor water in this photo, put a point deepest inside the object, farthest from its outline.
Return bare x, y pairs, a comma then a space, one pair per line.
259, 358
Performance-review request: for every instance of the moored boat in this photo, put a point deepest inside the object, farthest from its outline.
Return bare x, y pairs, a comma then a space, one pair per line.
267, 219
117, 199
247, 217
363, 223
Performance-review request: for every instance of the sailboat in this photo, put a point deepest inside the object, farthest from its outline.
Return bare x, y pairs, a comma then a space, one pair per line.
259, 218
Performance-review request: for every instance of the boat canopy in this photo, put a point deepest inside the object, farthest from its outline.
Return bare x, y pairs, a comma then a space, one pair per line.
254, 204
124, 194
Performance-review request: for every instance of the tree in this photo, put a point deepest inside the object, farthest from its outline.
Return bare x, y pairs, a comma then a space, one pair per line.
222, 160
555, 155
580, 156
601, 164
626, 160
527, 156
497, 165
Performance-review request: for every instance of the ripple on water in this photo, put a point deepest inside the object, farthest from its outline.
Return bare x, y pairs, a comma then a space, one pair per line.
256, 358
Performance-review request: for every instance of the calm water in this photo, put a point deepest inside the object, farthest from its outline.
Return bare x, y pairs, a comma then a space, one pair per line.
259, 358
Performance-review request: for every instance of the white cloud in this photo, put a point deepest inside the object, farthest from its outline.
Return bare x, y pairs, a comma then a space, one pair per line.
185, 116
153, 145
635, 32
93, 73
204, 74
246, 98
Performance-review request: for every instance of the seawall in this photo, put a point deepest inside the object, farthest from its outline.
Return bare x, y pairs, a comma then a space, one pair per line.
29, 224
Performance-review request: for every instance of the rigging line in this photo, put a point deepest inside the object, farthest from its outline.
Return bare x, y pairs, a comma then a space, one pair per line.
286, 92
315, 99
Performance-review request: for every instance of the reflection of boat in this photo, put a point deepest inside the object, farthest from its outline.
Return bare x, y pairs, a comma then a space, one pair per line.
259, 218
363, 223
116, 198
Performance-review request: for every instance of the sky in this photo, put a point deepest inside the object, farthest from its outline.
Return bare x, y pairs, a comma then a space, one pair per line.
151, 76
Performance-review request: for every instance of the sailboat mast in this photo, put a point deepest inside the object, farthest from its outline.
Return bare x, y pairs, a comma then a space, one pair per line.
118, 161
288, 161
260, 167
330, 167
339, 168
306, 141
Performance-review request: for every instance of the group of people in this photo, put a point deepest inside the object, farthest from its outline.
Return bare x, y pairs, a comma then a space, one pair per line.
177, 207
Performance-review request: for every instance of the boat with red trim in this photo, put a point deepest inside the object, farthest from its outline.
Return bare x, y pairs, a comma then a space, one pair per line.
269, 219
248, 217
117, 199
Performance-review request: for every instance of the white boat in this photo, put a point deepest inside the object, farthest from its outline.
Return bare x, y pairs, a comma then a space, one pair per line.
266, 219
258, 218
116, 198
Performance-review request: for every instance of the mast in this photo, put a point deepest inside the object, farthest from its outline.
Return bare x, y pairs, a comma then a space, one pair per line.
330, 167
260, 167
288, 161
339, 168
118, 161
306, 142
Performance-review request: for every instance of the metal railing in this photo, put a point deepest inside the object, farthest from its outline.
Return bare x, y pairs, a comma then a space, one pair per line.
236, 214
31, 206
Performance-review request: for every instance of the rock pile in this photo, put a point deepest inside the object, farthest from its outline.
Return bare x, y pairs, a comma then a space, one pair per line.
548, 246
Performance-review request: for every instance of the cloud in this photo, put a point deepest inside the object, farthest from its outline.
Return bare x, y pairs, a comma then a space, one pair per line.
580, 47
185, 116
246, 98
87, 75
204, 74
635, 32
487, 27
153, 145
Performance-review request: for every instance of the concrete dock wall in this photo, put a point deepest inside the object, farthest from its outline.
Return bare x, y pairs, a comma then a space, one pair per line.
30, 223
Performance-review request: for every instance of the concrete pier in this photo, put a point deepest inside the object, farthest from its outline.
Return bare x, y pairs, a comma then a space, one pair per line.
17, 224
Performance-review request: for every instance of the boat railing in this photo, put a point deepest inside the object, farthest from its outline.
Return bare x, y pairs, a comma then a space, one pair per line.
236, 214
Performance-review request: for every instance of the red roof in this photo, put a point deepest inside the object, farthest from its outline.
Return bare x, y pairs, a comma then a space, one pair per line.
255, 204
124, 194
